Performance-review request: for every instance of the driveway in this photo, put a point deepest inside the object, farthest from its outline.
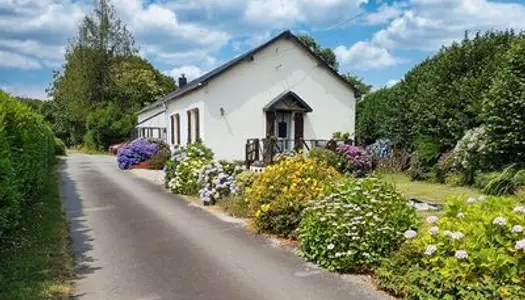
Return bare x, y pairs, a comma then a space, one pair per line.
132, 241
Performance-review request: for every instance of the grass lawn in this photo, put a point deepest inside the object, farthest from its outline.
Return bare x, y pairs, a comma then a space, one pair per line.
34, 262
427, 191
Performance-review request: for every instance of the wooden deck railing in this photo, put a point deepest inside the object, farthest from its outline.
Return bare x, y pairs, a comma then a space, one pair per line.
266, 150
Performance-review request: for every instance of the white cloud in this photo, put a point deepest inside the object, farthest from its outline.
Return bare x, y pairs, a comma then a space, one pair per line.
391, 82
191, 72
385, 13
364, 56
17, 61
429, 24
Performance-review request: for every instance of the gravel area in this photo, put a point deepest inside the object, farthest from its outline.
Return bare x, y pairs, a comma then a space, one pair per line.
155, 176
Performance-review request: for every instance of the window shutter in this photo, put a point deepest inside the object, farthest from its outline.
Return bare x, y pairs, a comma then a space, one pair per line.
270, 124
177, 119
172, 125
197, 126
189, 126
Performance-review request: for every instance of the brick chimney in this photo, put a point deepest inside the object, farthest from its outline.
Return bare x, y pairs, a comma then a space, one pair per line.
182, 81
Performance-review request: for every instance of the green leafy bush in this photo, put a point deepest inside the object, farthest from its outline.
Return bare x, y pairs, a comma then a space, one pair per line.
358, 223
27, 150
107, 125
330, 158
182, 173
245, 180
505, 183
60, 147
476, 251
423, 159
283, 190
445, 166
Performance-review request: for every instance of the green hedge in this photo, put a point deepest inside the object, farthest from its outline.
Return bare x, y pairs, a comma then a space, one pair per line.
27, 149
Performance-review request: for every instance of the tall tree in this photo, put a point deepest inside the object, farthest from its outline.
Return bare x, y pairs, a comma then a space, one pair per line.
358, 83
102, 72
325, 53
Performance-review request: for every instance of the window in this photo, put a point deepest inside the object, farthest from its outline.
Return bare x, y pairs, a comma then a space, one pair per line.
175, 129
193, 125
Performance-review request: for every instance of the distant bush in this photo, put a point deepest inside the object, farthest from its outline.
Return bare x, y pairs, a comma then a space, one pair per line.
445, 166
476, 251
136, 152
27, 150
329, 157
283, 190
423, 159
359, 223
107, 125
159, 159
60, 147
381, 148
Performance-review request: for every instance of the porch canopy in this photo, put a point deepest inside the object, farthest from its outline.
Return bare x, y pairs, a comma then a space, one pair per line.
288, 101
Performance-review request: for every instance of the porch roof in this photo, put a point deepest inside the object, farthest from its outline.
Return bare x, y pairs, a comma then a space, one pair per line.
288, 101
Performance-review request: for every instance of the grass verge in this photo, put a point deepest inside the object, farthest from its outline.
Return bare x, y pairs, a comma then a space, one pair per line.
34, 262
427, 191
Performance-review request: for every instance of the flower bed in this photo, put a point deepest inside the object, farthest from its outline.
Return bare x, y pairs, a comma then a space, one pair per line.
359, 162
476, 251
135, 153
358, 224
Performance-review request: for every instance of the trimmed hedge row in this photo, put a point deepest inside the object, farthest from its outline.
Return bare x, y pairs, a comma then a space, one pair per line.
27, 150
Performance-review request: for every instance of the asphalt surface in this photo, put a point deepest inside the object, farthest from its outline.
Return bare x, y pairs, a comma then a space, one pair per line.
132, 240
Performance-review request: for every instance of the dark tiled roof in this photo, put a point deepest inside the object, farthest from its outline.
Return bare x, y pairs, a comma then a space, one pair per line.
198, 82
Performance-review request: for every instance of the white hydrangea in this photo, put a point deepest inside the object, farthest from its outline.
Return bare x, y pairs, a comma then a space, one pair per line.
433, 230
471, 200
460, 215
330, 247
461, 254
457, 235
410, 234
517, 229
432, 219
430, 249
520, 245
500, 221
519, 209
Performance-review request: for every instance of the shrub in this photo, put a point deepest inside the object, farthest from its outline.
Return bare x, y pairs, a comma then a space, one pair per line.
359, 162
423, 159
245, 180
283, 190
341, 136
182, 172
217, 181
60, 147
476, 251
330, 158
505, 183
359, 223
235, 205
445, 166
470, 152
27, 150
398, 161
158, 161
136, 152
107, 125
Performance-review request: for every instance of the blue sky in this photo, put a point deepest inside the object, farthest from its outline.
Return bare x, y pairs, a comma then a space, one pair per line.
378, 40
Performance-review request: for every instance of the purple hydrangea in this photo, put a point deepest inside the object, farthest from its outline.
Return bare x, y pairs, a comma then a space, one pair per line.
135, 153
359, 161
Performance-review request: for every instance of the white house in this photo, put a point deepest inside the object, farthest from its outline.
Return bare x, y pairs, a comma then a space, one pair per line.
279, 89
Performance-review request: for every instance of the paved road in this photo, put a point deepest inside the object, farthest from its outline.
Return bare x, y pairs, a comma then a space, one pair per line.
135, 241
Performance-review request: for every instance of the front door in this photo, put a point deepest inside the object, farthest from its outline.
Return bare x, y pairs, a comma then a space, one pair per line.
298, 130
283, 125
